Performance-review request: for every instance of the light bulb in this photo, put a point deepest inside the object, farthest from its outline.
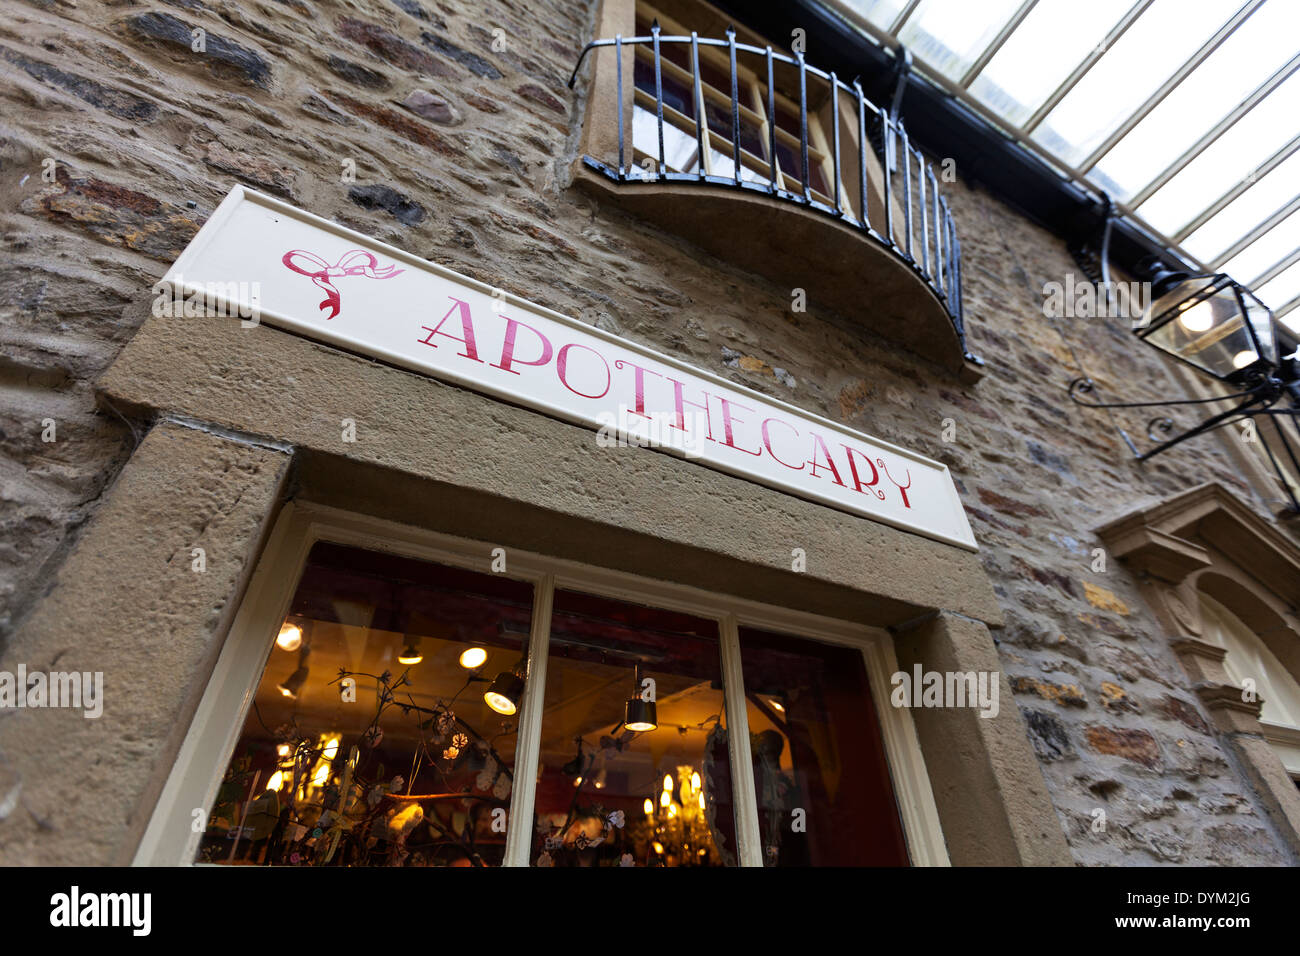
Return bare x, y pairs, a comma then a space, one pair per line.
776, 706
659, 847
473, 658
290, 637
322, 775
665, 798
695, 780
1244, 358
331, 748
577, 781
701, 801
282, 750
410, 655
276, 781
672, 810
668, 783
1198, 318
649, 807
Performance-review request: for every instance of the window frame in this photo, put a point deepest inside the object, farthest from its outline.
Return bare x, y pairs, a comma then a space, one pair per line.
191, 787
751, 94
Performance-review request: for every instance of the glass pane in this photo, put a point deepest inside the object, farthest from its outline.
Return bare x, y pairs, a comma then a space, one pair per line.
403, 768
1149, 52
1227, 76
723, 165
1209, 331
719, 116
1282, 288
680, 146
1049, 43
950, 35
1266, 251
882, 13
1230, 159
611, 796
817, 747
676, 94
1239, 217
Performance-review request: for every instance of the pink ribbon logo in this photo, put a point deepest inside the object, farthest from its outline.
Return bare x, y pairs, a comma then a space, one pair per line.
356, 262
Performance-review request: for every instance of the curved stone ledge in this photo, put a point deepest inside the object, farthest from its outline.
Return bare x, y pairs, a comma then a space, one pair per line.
840, 266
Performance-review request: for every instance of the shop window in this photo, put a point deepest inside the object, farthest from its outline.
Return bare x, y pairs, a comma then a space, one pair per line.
817, 755
369, 742
385, 730
670, 787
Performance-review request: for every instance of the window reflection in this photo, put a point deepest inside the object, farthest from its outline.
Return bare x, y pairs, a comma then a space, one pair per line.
369, 741
820, 777
608, 795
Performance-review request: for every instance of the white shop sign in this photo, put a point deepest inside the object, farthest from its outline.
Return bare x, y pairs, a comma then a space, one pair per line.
316, 278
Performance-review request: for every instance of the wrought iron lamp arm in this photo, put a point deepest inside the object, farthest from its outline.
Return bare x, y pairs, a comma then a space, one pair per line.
1082, 386
1209, 424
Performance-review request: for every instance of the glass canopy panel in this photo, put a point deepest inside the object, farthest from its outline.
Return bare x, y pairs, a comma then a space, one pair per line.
1040, 55
882, 13
1147, 55
1282, 288
1273, 191
1228, 161
1246, 59
950, 35
1266, 251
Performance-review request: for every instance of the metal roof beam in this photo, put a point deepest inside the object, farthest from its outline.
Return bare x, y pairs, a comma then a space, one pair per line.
1249, 238
991, 50
1216, 207
1276, 269
1089, 61
1155, 99
1225, 124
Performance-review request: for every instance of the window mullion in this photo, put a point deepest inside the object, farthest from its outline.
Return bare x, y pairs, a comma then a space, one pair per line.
528, 747
749, 850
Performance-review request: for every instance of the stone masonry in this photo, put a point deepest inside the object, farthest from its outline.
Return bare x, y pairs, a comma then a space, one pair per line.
117, 140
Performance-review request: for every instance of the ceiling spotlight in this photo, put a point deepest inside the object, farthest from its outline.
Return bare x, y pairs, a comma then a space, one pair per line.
473, 658
290, 637
505, 692
639, 715
410, 654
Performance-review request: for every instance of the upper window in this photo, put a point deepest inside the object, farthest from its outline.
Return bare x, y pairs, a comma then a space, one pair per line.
385, 731
683, 103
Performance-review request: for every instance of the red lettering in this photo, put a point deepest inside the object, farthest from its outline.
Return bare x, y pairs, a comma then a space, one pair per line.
767, 441
467, 327
640, 385
727, 420
680, 404
857, 481
819, 443
508, 347
562, 368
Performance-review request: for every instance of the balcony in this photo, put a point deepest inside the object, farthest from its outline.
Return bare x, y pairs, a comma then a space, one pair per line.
711, 138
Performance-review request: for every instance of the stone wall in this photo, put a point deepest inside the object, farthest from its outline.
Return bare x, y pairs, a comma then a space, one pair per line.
117, 139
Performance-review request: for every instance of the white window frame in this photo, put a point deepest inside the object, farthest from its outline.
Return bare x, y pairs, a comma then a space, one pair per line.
171, 839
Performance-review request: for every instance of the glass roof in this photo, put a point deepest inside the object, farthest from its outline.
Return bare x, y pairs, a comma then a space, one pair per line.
1187, 112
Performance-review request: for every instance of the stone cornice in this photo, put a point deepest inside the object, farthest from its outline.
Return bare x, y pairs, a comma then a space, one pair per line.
1169, 539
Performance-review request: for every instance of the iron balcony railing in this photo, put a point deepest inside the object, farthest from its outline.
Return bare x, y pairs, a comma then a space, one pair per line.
927, 240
